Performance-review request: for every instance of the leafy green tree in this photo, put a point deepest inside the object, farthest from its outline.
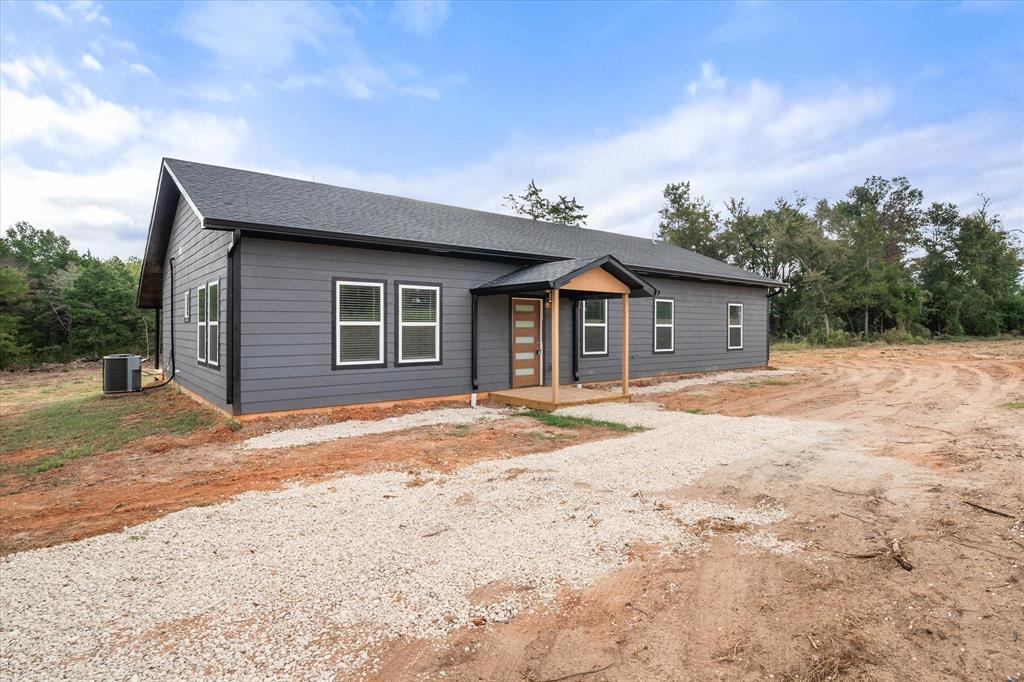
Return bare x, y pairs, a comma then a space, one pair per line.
972, 271
102, 299
877, 223
13, 290
533, 204
56, 304
48, 264
689, 221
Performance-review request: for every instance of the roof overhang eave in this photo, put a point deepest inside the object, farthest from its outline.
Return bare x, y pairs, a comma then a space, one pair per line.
351, 239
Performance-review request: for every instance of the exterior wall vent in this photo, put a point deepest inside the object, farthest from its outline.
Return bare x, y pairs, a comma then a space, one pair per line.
122, 373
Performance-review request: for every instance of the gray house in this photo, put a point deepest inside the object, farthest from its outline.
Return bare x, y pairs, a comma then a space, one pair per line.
279, 294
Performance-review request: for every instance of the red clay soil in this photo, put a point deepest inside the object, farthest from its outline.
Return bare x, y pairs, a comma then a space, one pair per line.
929, 426
157, 476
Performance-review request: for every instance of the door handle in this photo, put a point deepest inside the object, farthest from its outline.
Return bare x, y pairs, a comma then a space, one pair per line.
538, 350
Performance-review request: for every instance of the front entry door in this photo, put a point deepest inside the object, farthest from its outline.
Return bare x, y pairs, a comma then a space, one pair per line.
526, 341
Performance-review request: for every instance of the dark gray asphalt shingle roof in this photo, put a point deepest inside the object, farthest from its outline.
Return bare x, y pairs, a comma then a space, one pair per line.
232, 195
542, 272
559, 272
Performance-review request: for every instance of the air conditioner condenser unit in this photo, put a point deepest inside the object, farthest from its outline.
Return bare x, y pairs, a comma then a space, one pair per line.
122, 373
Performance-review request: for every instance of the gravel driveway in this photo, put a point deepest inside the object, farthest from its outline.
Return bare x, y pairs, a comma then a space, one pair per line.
289, 438
308, 580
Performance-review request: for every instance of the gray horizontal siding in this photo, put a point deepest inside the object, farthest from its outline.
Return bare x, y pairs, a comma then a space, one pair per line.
701, 336
200, 256
287, 318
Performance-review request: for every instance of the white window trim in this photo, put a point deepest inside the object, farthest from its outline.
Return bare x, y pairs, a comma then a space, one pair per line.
188, 304
731, 326
339, 323
201, 324
671, 325
436, 324
212, 323
583, 344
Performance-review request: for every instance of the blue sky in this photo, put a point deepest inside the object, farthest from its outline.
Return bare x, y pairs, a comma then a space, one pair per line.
464, 102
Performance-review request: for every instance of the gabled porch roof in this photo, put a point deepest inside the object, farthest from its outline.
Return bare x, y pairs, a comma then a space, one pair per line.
557, 274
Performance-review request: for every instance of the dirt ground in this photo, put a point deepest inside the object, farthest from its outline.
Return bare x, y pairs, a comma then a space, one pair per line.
159, 475
928, 430
929, 427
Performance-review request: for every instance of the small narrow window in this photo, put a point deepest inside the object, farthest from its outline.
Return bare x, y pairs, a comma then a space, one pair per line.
664, 325
735, 326
201, 325
595, 326
419, 323
359, 323
188, 304
213, 323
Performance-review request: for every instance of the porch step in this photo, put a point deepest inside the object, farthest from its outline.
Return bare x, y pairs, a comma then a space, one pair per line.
539, 397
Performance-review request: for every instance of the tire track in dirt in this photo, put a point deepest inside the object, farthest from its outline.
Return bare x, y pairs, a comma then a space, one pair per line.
927, 426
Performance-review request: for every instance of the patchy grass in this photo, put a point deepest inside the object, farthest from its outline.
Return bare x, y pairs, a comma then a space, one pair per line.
694, 410
767, 382
23, 391
79, 427
854, 339
1014, 405
562, 421
459, 430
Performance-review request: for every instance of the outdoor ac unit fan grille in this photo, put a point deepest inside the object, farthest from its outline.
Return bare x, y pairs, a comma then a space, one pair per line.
115, 375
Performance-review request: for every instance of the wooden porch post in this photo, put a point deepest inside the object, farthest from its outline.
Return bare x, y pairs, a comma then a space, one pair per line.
625, 344
553, 296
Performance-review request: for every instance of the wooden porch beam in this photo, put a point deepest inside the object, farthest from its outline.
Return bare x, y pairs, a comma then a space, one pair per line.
625, 344
553, 297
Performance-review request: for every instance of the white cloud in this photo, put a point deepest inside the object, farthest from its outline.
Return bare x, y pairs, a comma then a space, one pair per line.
86, 10
99, 192
76, 124
53, 11
422, 17
19, 72
362, 80
262, 40
142, 70
709, 80
89, 11
24, 71
259, 36
755, 141
91, 63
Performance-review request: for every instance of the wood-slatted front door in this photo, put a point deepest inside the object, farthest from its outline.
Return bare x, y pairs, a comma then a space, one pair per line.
527, 341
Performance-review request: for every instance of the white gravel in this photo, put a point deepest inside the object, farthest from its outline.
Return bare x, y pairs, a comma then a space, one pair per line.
717, 378
357, 427
306, 581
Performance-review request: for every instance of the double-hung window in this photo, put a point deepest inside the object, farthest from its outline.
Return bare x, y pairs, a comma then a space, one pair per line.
201, 325
735, 326
419, 323
664, 325
213, 323
595, 326
208, 324
359, 324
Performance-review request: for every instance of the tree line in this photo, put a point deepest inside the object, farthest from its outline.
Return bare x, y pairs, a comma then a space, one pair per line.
876, 263
57, 304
